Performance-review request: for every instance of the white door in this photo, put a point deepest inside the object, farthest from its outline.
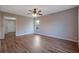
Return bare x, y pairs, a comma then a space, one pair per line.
11, 26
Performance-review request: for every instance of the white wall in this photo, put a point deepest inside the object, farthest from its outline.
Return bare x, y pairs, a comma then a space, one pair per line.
61, 25
0, 26
24, 25
78, 26
10, 26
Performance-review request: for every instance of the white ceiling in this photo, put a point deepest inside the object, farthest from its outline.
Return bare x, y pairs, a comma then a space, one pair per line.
23, 9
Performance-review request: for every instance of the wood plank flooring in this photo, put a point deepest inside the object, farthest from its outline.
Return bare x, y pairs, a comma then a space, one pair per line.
36, 44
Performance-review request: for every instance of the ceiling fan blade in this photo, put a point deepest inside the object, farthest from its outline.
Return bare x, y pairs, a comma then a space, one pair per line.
30, 10
40, 14
39, 11
28, 13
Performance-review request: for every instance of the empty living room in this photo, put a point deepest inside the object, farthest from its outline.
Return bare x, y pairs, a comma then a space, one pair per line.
39, 29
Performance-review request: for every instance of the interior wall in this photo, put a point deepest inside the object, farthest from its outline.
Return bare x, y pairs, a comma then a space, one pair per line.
78, 26
10, 26
24, 24
63, 25
0, 27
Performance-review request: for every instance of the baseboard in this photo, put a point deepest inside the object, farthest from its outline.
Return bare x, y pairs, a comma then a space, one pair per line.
1, 38
24, 34
57, 37
48, 36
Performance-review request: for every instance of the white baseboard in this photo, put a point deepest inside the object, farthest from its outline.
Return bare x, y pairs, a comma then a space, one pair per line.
23, 34
1, 38
58, 37
49, 36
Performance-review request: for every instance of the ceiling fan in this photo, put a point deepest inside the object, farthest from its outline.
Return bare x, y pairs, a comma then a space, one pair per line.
35, 12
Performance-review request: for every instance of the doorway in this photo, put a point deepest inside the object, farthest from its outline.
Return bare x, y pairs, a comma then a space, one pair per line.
10, 27
37, 25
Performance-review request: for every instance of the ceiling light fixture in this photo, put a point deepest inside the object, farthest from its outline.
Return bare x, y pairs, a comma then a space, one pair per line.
35, 12
34, 15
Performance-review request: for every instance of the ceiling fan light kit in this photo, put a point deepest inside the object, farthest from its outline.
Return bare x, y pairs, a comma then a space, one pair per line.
34, 15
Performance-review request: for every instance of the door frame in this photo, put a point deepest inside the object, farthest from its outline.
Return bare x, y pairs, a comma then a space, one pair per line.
7, 18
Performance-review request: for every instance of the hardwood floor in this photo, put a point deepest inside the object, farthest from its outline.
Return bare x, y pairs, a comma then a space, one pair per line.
36, 44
